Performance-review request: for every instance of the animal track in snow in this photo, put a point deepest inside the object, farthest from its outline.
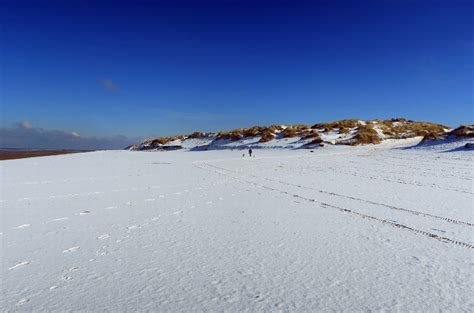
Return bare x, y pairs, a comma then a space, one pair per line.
21, 264
72, 249
22, 226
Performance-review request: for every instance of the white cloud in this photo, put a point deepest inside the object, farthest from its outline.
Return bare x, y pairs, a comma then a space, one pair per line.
24, 136
26, 124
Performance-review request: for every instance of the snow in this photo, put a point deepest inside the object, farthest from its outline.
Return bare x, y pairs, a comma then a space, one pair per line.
377, 227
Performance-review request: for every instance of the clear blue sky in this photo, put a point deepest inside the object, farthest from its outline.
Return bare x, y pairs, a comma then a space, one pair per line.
142, 68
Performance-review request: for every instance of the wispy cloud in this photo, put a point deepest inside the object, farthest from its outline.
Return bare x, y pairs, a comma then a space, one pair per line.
24, 136
108, 84
26, 124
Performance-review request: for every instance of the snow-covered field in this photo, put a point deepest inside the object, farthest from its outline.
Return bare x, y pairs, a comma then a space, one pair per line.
340, 228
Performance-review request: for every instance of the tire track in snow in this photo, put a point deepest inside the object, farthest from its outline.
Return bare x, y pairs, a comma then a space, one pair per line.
218, 170
414, 212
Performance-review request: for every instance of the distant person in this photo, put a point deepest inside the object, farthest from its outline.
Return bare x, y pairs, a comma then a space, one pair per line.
250, 152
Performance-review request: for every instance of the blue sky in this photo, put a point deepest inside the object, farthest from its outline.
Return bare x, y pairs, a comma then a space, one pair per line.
145, 68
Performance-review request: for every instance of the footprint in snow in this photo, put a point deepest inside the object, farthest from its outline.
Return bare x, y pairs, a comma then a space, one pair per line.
21, 264
22, 226
23, 301
102, 252
103, 237
60, 219
72, 249
84, 213
67, 277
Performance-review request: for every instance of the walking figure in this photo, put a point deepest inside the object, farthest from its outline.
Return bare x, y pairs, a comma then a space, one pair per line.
250, 152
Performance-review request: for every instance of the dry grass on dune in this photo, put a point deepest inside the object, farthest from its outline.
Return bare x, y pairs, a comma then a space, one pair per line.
160, 141
366, 134
274, 128
316, 140
253, 131
311, 134
197, 135
348, 123
395, 128
233, 135
400, 128
290, 132
267, 136
344, 130
240, 133
464, 131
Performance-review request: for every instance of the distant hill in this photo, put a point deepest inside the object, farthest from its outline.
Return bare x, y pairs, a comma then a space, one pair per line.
342, 132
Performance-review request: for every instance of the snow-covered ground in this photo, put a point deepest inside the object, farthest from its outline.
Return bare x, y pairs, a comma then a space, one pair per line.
340, 228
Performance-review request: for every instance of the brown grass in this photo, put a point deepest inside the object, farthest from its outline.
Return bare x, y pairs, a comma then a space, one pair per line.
291, 132
316, 140
267, 136
274, 128
160, 141
311, 134
464, 131
233, 135
344, 130
409, 129
366, 135
197, 135
348, 123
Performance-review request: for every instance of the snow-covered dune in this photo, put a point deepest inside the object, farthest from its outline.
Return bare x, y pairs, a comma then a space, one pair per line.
343, 132
377, 227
